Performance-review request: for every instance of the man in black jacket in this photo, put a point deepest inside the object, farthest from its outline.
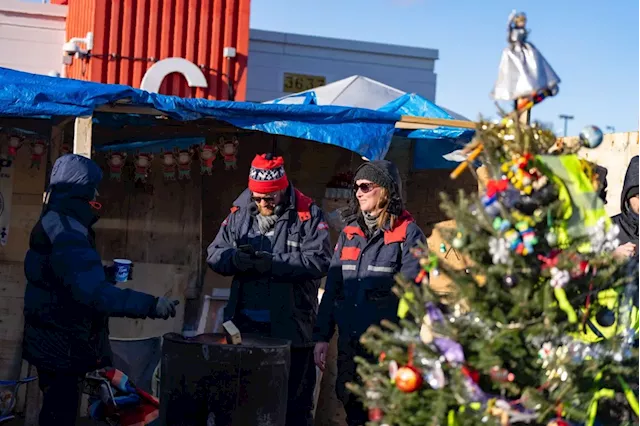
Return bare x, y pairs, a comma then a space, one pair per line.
68, 299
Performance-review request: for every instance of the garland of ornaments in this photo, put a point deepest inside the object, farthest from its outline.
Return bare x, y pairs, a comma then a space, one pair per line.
176, 163
176, 160
37, 146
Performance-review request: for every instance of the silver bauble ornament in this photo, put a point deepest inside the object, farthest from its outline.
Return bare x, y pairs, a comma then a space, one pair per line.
591, 137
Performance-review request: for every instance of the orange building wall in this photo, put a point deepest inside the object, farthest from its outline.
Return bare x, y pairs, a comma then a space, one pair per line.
196, 30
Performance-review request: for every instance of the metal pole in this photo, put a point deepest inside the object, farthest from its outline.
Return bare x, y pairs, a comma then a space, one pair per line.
566, 119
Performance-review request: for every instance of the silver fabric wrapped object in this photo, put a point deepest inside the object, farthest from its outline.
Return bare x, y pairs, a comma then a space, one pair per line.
523, 70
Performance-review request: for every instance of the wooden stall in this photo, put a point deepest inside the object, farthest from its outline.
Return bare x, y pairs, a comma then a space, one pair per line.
163, 226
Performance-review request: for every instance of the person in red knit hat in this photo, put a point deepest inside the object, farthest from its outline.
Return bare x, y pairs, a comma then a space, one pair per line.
275, 244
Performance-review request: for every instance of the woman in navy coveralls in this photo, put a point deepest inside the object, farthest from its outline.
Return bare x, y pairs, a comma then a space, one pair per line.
373, 247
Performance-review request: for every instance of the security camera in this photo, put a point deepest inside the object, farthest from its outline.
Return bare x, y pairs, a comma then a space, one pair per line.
72, 47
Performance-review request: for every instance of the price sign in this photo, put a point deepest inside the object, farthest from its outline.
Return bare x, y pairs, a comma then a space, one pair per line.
294, 83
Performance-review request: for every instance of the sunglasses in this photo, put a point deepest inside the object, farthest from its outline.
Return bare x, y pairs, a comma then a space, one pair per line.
364, 187
267, 200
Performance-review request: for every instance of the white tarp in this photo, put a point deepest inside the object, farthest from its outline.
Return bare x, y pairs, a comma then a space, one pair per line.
355, 91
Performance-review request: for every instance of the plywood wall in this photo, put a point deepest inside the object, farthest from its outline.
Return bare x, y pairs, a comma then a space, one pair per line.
28, 186
155, 224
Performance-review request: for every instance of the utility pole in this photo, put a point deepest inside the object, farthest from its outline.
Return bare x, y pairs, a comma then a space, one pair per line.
566, 119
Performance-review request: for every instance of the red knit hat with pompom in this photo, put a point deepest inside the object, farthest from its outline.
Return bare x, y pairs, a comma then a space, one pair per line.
267, 174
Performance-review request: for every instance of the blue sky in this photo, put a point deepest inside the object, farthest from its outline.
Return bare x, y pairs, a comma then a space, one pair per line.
592, 45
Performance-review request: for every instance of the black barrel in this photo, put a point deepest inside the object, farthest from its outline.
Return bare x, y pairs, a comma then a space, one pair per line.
206, 383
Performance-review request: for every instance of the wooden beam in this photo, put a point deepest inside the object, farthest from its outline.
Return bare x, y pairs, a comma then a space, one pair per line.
413, 126
440, 122
82, 134
126, 109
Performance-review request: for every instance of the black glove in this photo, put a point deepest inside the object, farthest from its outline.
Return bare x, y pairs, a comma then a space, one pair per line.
110, 273
164, 308
243, 260
263, 261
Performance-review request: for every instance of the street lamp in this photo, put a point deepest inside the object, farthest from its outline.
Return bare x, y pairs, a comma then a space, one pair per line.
566, 119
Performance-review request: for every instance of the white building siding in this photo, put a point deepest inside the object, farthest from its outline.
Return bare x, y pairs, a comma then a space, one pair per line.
272, 54
31, 36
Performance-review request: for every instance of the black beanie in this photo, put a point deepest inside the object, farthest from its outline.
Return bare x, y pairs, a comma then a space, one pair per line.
385, 174
375, 175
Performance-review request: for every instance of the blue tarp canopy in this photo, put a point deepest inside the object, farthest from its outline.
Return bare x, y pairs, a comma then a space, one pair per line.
416, 105
358, 91
363, 131
431, 144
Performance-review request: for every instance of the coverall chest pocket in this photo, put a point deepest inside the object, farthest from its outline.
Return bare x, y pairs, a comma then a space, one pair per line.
349, 257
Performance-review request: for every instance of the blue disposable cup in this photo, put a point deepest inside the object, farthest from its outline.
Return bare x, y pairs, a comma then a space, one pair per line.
122, 267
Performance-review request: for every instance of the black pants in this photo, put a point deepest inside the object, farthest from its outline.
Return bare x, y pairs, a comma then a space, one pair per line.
348, 348
302, 375
61, 395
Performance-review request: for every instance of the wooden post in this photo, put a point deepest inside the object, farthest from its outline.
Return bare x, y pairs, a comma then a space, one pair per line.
523, 116
82, 136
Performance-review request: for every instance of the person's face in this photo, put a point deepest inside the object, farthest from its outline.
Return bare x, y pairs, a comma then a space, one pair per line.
634, 203
368, 195
266, 203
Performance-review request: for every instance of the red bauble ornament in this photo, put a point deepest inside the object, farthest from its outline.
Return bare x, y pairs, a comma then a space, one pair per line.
471, 373
375, 414
408, 379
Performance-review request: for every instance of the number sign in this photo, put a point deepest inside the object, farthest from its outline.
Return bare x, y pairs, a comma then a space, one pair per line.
294, 83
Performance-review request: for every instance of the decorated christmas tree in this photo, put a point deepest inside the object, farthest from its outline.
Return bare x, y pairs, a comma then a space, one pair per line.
540, 327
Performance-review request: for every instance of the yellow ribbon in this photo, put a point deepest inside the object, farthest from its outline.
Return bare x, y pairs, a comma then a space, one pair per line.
403, 306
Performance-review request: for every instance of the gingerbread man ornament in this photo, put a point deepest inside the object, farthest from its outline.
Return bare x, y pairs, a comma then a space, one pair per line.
115, 161
229, 151
143, 164
207, 157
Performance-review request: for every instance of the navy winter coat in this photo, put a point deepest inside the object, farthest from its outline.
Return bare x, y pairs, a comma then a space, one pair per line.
301, 254
68, 300
358, 292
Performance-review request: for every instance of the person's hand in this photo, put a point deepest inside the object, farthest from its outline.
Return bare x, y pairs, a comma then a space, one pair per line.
624, 251
320, 354
242, 260
263, 261
165, 308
